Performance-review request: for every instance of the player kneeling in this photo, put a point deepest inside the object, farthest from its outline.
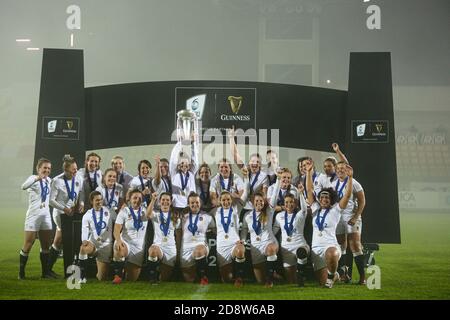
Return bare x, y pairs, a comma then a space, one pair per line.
96, 236
194, 248
264, 245
163, 252
294, 248
230, 249
326, 215
129, 232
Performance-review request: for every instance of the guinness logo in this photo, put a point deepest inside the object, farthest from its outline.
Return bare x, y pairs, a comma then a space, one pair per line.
69, 124
379, 127
235, 103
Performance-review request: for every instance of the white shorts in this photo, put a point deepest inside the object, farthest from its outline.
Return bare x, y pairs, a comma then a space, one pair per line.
258, 251
103, 251
38, 222
289, 254
135, 253
187, 258
344, 228
225, 254
57, 219
169, 254
318, 256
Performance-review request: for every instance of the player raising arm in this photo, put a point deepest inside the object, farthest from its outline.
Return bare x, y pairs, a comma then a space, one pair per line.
326, 215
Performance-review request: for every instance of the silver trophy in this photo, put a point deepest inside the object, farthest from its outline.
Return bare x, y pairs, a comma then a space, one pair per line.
187, 125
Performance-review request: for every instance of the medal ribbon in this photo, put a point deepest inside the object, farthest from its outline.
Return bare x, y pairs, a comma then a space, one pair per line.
99, 225
137, 222
288, 225
320, 221
256, 223
192, 227
164, 226
226, 225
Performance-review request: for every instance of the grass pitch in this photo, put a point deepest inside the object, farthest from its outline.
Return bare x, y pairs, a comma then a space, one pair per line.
419, 268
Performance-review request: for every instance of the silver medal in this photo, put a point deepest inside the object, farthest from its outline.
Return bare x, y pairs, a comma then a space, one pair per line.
165, 239
226, 236
258, 239
320, 233
288, 239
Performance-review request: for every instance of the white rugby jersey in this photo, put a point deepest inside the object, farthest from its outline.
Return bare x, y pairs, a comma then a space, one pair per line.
327, 236
131, 233
59, 196
180, 195
258, 181
204, 223
165, 185
89, 231
298, 224
140, 183
340, 188
230, 237
34, 189
237, 184
158, 226
111, 196
266, 233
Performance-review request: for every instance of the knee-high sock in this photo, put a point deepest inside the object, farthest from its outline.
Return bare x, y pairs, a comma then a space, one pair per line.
342, 263
118, 265
270, 267
359, 261
201, 264
53, 256
44, 262
82, 258
239, 267
302, 259
23, 258
349, 263
153, 264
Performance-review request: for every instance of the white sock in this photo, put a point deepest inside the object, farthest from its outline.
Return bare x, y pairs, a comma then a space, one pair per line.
240, 260
82, 256
23, 253
302, 261
152, 259
355, 254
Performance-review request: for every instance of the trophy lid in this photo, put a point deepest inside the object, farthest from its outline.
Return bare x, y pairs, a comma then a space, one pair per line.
186, 115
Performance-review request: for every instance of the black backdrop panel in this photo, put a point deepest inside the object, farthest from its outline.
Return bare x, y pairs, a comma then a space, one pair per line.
370, 98
308, 118
61, 128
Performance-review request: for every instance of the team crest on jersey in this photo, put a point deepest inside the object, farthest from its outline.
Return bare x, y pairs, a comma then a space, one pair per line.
117, 193
77, 184
201, 218
316, 183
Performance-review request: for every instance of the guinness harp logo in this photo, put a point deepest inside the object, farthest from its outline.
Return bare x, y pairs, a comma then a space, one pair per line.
235, 103
69, 124
379, 127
